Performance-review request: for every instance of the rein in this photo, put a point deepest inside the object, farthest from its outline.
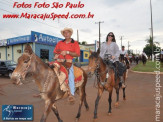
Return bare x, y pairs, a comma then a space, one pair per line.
100, 74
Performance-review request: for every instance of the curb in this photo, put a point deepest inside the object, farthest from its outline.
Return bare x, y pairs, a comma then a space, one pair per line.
153, 73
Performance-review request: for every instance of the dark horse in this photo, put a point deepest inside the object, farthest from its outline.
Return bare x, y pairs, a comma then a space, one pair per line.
106, 80
125, 61
47, 82
144, 59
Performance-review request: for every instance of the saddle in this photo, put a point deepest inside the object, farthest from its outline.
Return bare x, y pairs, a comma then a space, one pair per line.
62, 71
118, 70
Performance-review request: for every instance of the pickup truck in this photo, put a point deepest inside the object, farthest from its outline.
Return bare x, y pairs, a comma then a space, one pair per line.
7, 67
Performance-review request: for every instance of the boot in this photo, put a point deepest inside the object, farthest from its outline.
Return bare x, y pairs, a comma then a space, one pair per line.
122, 82
71, 98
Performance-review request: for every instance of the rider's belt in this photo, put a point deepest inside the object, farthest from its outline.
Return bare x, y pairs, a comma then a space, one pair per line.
67, 60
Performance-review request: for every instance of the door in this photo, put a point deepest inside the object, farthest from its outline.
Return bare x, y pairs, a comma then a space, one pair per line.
3, 68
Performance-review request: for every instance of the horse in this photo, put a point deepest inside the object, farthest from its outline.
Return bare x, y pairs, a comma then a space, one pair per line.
47, 81
106, 80
125, 61
144, 59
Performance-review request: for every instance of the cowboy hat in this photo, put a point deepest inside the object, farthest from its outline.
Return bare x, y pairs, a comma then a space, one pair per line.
67, 29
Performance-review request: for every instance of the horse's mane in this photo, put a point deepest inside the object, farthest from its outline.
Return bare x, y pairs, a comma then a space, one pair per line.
29, 50
94, 54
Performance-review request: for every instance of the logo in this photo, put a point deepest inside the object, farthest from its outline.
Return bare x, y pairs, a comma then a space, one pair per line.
17, 112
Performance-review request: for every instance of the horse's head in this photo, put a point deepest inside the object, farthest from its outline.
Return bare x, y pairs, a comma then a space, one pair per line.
26, 65
93, 63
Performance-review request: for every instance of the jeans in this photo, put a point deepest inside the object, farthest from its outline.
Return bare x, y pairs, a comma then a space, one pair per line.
71, 80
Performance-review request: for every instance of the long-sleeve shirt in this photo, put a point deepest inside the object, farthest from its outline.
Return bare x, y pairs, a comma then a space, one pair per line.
112, 49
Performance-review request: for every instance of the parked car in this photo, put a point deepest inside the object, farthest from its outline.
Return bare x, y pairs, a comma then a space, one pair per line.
7, 67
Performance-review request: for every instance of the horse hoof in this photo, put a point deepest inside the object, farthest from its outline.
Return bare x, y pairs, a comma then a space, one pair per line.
87, 109
95, 120
109, 114
76, 119
116, 104
124, 99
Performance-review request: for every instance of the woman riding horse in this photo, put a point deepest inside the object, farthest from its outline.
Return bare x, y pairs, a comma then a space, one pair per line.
104, 70
110, 47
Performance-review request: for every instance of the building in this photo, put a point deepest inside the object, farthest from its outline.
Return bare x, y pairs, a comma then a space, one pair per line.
85, 51
42, 45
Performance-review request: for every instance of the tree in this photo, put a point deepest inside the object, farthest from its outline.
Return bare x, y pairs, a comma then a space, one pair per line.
148, 47
84, 42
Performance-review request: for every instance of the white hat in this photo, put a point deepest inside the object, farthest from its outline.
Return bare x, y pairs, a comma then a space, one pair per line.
67, 29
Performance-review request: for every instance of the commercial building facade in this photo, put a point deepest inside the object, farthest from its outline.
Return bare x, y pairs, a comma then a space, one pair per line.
42, 45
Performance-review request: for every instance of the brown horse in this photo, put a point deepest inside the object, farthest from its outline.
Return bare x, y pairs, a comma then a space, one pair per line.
106, 80
47, 82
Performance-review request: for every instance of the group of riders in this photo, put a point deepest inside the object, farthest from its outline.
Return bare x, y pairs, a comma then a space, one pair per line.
68, 48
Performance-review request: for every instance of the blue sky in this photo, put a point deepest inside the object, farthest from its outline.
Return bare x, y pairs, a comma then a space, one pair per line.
127, 18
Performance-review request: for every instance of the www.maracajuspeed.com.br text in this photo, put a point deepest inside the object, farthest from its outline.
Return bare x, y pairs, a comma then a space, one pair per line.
52, 16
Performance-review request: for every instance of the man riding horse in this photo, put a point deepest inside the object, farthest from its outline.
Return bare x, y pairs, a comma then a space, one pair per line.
110, 47
124, 57
64, 52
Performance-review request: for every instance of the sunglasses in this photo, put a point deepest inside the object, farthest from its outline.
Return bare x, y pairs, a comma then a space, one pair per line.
111, 35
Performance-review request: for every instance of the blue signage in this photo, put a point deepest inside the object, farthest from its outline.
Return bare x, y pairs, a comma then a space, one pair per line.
19, 40
44, 39
17, 112
3, 42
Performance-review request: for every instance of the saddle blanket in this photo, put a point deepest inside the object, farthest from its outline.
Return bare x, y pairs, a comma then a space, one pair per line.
62, 75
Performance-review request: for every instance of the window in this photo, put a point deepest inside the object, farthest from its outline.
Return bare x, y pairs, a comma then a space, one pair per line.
86, 55
2, 64
44, 54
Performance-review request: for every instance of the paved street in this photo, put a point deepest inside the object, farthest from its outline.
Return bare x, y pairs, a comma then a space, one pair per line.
139, 106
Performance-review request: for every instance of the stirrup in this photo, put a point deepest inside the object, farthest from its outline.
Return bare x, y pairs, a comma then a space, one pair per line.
71, 99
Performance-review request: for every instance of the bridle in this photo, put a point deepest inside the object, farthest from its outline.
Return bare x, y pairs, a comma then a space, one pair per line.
99, 74
24, 72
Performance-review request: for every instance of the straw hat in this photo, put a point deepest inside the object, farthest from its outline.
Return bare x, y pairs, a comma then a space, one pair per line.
67, 29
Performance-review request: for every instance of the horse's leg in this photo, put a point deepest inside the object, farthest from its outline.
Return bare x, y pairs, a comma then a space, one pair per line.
117, 100
124, 78
110, 100
85, 100
86, 104
55, 110
82, 98
100, 91
124, 95
48, 106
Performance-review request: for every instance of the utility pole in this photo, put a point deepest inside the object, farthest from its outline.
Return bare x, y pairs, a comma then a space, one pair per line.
151, 30
99, 32
78, 58
128, 47
77, 36
121, 41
